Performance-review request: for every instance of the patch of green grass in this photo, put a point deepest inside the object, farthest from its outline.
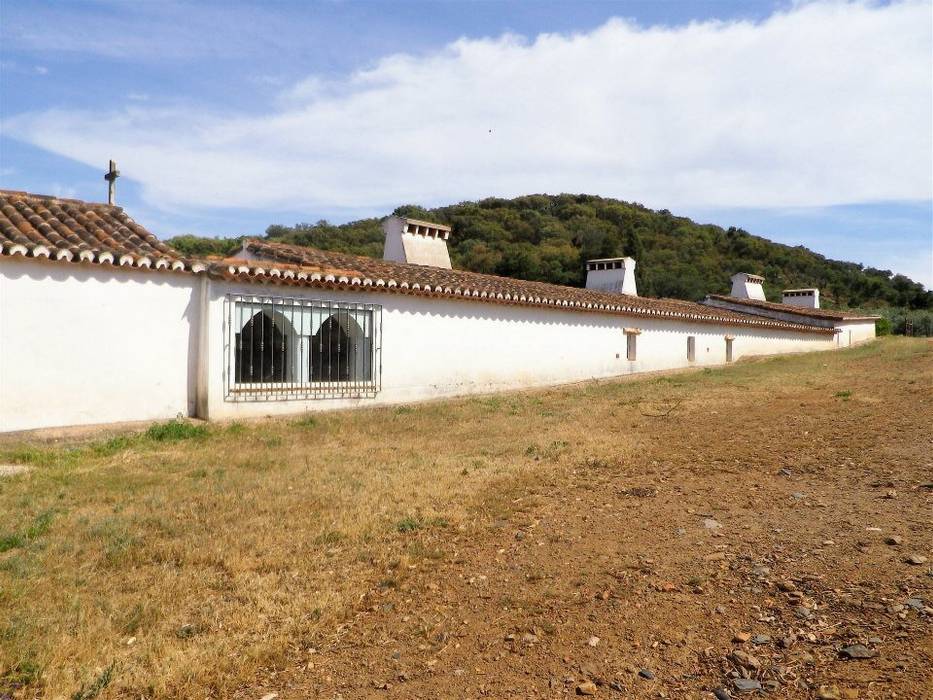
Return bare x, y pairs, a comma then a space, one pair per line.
39, 526
844, 395
16, 566
175, 430
550, 452
407, 524
22, 674
306, 422
235, 428
170, 431
133, 620
116, 537
113, 445
331, 537
88, 692
37, 456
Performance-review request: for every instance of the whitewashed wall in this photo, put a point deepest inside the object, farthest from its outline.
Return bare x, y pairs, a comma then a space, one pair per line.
439, 347
849, 332
82, 344
854, 332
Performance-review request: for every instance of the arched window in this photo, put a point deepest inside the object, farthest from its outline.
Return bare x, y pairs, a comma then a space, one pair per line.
261, 352
295, 348
340, 351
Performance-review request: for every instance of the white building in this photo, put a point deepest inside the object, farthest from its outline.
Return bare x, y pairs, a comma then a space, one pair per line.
100, 322
798, 306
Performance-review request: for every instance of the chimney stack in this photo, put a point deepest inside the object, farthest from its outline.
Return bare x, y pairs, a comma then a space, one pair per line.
807, 298
615, 275
746, 286
416, 242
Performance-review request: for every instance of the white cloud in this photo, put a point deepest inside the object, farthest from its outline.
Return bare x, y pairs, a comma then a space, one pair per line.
826, 103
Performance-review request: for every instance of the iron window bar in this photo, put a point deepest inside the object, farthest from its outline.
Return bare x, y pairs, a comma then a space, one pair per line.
292, 348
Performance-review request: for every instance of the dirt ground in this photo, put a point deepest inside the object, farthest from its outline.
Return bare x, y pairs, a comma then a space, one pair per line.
751, 530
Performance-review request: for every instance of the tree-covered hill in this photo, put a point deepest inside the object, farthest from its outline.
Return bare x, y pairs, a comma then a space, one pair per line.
549, 237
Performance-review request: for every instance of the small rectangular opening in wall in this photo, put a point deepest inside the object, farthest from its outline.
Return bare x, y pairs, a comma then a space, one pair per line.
691, 348
729, 349
630, 349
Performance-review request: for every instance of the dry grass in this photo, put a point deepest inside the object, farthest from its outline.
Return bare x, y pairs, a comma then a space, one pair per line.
180, 561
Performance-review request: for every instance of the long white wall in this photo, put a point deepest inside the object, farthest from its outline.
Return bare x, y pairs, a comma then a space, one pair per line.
83, 344
439, 347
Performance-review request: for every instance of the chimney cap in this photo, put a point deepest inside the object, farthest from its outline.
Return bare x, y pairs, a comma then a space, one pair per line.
610, 263
416, 241
616, 275
749, 277
623, 258
427, 224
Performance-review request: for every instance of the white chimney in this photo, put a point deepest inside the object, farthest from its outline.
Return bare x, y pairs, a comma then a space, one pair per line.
746, 286
416, 242
807, 298
612, 275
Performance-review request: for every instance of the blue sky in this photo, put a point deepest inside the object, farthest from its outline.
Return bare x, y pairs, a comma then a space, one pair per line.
807, 123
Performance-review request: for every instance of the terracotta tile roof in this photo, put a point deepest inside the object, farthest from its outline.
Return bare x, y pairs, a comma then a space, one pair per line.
52, 228
71, 230
291, 264
823, 314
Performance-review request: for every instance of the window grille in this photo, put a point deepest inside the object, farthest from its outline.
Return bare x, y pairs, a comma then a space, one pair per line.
729, 349
691, 348
630, 340
282, 348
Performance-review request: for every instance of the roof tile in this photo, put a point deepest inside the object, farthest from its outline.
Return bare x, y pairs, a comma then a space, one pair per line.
824, 314
334, 269
69, 229
36, 225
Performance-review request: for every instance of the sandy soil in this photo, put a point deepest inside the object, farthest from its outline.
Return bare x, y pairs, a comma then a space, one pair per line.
752, 537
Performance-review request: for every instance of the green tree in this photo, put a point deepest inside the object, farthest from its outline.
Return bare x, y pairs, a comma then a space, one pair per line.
548, 237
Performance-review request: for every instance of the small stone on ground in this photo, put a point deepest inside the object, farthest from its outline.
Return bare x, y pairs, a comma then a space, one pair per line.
857, 651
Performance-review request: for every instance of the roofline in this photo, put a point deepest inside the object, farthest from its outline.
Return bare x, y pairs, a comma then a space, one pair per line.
299, 275
287, 275
791, 309
53, 198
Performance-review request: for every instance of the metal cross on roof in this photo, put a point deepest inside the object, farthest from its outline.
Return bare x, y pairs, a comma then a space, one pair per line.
111, 178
